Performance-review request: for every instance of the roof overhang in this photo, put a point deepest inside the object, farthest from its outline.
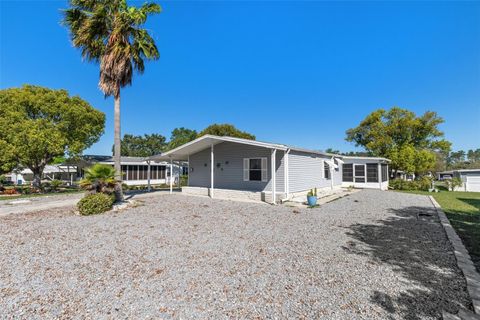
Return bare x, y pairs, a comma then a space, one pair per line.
379, 159
181, 153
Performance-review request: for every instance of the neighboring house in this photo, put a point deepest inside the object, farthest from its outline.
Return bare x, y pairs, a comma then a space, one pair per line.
470, 179
135, 170
444, 175
399, 174
51, 172
233, 167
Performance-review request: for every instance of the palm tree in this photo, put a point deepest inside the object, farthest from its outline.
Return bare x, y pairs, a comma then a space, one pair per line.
110, 33
99, 178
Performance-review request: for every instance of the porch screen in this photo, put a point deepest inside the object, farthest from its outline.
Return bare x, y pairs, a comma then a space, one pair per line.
359, 173
372, 172
384, 172
348, 172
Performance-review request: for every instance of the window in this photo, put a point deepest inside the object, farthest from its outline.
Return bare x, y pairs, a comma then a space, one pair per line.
255, 169
384, 172
326, 169
348, 172
372, 172
360, 173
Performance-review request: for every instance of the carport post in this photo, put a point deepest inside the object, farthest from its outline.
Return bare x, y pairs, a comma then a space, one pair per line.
171, 175
148, 175
273, 180
330, 167
379, 175
212, 161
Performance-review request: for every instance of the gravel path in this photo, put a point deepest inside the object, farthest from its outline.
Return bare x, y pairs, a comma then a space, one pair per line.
371, 255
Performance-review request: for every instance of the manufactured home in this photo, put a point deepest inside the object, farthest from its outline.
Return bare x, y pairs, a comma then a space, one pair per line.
229, 167
470, 179
138, 170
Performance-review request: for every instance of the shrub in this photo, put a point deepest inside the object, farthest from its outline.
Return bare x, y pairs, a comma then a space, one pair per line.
99, 178
455, 183
424, 183
95, 203
10, 191
399, 184
55, 184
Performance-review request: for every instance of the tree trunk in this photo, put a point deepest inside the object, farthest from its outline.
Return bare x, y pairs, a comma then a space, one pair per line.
117, 150
37, 177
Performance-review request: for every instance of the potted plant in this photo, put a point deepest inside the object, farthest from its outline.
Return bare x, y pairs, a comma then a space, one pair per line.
312, 197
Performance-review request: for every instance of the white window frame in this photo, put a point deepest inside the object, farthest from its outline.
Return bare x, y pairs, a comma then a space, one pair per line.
264, 169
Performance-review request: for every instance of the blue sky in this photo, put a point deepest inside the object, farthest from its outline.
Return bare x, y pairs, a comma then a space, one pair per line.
299, 73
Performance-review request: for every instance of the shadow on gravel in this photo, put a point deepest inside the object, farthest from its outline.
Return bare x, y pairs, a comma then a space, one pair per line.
414, 243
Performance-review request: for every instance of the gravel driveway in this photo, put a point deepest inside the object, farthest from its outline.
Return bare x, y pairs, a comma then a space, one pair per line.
371, 255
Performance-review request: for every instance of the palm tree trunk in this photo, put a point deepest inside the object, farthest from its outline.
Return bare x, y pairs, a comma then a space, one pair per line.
117, 150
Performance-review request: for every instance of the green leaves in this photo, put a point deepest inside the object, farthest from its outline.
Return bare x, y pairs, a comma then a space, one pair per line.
110, 32
142, 146
226, 130
39, 124
409, 141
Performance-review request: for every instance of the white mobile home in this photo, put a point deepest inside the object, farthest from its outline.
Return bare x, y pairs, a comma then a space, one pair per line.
230, 167
470, 179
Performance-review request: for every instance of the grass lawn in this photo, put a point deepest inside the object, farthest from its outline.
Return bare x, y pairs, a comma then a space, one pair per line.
34, 195
463, 211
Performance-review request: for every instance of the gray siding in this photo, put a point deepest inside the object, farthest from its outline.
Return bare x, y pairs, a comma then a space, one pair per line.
306, 172
230, 175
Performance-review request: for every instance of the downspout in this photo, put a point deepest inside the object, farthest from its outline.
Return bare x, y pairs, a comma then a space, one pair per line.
286, 177
148, 176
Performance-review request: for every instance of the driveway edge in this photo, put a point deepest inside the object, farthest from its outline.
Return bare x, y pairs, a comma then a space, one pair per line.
464, 261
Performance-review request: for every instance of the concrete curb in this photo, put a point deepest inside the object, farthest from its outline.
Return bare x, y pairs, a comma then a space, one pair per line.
464, 261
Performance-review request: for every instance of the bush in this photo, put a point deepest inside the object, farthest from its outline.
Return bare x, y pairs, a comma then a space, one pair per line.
424, 183
454, 184
55, 185
95, 204
99, 178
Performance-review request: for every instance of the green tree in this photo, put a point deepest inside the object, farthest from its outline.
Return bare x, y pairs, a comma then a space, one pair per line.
39, 124
403, 137
110, 32
142, 146
226, 130
181, 136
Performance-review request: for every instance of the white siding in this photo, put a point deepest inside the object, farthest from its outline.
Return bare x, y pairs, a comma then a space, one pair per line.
306, 172
228, 171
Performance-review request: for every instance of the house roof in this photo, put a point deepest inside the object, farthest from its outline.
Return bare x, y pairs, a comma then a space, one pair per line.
468, 170
182, 152
109, 159
367, 158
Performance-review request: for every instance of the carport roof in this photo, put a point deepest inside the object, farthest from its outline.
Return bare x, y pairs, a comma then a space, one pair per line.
182, 152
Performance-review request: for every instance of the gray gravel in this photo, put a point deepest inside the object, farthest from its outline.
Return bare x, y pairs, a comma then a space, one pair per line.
369, 255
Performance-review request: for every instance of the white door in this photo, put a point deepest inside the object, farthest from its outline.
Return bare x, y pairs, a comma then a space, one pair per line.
473, 183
